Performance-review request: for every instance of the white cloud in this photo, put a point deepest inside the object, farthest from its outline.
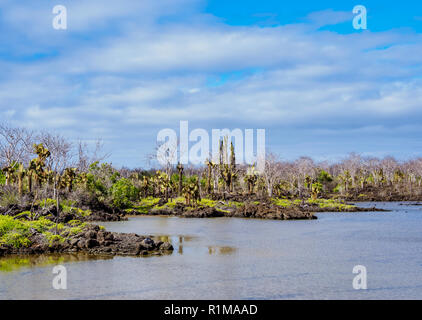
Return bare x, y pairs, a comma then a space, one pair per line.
148, 75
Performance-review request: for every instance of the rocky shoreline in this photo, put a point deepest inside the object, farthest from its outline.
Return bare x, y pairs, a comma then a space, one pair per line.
92, 240
49, 212
77, 235
249, 210
262, 210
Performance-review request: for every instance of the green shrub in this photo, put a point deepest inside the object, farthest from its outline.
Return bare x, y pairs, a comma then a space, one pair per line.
324, 177
14, 232
124, 193
146, 204
100, 180
49, 203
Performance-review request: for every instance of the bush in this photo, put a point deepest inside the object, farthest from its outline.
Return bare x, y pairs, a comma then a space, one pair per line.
123, 193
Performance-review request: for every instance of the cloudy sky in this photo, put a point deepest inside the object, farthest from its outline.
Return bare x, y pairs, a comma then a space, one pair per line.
123, 70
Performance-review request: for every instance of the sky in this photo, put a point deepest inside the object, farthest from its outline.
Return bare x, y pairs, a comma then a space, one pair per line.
124, 70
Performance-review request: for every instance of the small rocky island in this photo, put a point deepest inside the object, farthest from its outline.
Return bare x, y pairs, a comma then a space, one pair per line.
243, 207
44, 236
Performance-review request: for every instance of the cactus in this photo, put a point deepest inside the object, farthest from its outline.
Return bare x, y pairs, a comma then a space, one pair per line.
210, 165
191, 192
20, 174
67, 179
145, 186
227, 171
37, 165
82, 179
163, 182
316, 190
232, 167
9, 172
251, 178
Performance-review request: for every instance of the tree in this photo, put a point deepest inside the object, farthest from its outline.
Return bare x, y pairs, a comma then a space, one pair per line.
272, 172
15, 144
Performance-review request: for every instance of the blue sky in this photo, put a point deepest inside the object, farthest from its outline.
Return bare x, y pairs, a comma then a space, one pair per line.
123, 70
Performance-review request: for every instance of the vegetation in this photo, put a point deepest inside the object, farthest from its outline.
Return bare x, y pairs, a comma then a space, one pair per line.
47, 172
17, 232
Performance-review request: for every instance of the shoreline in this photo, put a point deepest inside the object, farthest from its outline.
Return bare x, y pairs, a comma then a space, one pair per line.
92, 239
78, 233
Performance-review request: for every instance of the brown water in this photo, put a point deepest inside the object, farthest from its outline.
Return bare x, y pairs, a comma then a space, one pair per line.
231, 258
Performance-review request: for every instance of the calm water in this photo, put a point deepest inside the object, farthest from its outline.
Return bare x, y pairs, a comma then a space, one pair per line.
243, 259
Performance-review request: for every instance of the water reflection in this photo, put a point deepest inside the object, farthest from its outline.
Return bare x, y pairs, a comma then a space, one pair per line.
180, 241
216, 250
17, 262
176, 241
173, 239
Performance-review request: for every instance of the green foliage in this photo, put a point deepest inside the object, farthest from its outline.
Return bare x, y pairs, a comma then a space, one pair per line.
51, 238
324, 177
207, 202
100, 179
285, 203
203, 182
337, 189
172, 203
2, 178
15, 239
76, 227
124, 193
322, 203
15, 232
330, 204
48, 203
146, 204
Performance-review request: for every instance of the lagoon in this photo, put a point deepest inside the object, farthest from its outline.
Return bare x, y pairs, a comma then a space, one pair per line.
233, 258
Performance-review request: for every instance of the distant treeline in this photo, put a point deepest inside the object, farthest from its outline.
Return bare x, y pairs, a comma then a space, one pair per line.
41, 165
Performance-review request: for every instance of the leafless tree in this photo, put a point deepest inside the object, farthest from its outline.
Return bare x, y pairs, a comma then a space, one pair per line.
87, 156
272, 172
15, 144
305, 167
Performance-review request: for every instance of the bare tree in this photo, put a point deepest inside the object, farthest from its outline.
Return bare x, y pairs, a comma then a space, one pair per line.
87, 156
305, 167
272, 172
15, 144
61, 151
